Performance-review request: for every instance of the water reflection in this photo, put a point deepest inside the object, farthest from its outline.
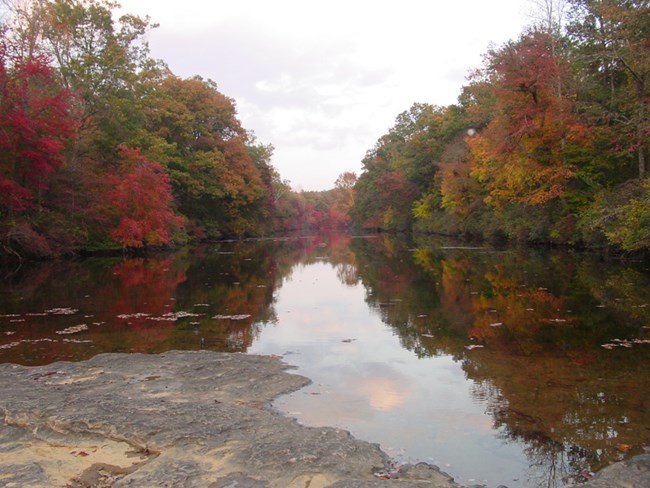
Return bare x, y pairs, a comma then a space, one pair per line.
487, 362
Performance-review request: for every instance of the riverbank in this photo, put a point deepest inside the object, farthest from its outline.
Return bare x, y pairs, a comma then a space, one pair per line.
175, 419
183, 419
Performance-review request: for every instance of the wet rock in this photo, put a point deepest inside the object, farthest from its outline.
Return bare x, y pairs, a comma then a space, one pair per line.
632, 473
423, 471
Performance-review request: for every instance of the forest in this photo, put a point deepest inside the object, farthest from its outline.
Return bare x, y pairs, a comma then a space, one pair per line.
548, 141
105, 148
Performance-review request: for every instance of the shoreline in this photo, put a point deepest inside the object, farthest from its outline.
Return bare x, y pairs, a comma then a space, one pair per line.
190, 418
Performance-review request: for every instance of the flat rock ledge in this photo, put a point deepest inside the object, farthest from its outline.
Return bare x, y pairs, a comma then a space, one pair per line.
178, 419
191, 419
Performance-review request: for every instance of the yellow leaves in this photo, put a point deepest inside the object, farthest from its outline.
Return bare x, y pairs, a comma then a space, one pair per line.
517, 174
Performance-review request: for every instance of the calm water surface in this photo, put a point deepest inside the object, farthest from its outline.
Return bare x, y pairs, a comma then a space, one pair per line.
521, 368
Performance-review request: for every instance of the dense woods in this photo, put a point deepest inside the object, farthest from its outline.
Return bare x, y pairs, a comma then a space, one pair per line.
104, 147
548, 141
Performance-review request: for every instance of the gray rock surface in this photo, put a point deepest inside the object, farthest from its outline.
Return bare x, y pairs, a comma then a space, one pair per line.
190, 419
633, 473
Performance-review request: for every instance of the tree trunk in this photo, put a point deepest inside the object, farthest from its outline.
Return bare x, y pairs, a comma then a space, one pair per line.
640, 125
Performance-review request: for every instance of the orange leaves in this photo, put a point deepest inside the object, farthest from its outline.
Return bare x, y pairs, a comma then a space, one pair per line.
527, 153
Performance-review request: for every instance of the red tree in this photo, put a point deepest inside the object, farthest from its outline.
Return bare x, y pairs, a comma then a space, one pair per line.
36, 121
141, 202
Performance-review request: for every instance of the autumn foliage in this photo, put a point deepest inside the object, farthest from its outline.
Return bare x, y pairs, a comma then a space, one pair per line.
103, 147
548, 141
140, 201
36, 121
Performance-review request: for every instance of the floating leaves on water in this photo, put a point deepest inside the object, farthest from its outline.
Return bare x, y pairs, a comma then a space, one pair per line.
231, 317
624, 343
25, 341
73, 330
137, 315
174, 316
62, 311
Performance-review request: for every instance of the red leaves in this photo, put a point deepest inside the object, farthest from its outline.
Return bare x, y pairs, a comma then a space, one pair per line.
141, 202
36, 121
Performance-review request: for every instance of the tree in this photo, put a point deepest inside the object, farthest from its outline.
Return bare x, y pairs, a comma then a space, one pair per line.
192, 129
36, 122
612, 38
140, 202
530, 151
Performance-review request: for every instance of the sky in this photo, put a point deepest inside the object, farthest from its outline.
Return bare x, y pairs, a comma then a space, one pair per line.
323, 81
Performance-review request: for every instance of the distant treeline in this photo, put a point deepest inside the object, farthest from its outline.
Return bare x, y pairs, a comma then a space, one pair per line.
548, 141
103, 147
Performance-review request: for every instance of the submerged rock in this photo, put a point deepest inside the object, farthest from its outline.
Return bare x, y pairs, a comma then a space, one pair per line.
176, 419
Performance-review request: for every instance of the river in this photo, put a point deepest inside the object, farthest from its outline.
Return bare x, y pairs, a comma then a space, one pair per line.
516, 367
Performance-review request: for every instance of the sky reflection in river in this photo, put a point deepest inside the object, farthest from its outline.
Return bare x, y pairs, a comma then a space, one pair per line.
364, 381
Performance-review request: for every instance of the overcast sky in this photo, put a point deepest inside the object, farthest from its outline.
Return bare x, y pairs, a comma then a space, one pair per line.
322, 81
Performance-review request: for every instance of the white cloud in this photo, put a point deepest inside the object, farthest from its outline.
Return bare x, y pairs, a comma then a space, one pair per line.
323, 81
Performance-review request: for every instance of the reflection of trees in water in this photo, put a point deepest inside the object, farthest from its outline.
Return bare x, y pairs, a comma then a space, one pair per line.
126, 302
347, 273
542, 317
